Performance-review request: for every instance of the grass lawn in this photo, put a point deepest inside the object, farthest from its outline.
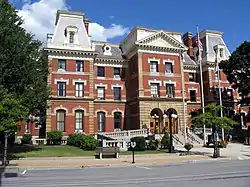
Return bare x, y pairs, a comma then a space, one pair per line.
23, 151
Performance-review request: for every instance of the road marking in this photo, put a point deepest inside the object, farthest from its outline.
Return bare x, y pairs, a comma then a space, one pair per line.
143, 167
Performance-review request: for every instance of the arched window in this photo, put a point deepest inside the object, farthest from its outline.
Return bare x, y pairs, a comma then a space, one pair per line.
101, 121
117, 120
60, 120
79, 116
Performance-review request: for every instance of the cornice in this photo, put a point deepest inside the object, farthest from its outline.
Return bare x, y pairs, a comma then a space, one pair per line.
111, 60
190, 67
67, 52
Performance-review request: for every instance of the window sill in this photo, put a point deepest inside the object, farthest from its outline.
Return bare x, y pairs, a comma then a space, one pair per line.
100, 77
169, 74
154, 73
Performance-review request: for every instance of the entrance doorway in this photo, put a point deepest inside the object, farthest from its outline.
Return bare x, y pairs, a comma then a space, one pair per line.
156, 121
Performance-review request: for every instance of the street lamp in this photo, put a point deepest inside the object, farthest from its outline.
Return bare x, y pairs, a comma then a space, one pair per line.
171, 113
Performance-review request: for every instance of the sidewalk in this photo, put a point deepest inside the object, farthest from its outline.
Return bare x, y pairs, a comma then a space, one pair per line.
88, 162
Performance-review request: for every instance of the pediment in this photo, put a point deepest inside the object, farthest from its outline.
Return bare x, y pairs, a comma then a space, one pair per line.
161, 39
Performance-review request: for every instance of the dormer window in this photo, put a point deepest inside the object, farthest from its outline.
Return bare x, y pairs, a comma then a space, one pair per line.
107, 50
221, 53
71, 37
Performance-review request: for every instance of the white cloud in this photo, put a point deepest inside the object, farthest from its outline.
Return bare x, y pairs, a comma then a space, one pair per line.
39, 19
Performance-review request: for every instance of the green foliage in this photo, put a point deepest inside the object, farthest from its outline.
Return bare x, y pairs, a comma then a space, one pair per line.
75, 139
85, 142
211, 119
11, 111
23, 67
140, 143
153, 144
54, 137
89, 143
26, 139
237, 68
188, 146
165, 141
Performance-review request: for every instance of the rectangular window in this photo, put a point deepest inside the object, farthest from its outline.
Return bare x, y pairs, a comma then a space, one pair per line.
154, 89
100, 71
61, 89
62, 65
60, 120
79, 120
192, 95
79, 89
153, 66
191, 77
168, 67
71, 37
101, 121
117, 72
117, 93
100, 93
221, 53
170, 90
217, 75
79, 66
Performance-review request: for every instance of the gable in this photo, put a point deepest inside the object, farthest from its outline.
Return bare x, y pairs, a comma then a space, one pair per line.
161, 39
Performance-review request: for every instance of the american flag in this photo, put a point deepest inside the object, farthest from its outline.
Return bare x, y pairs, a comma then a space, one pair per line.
199, 45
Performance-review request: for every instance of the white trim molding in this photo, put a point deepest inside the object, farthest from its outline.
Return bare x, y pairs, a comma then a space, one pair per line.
101, 85
169, 82
101, 110
196, 89
169, 61
79, 81
117, 110
116, 85
62, 80
61, 107
155, 81
153, 60
79, 108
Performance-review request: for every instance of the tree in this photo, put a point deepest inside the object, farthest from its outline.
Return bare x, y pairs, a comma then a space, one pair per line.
237, 68
11, 111
212, 119
23, 68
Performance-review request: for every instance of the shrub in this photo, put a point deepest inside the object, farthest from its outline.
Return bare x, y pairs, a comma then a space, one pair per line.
75, 139
26, 139
165, 141
153, 144
54, 137
88, 142
188, 146
140, 143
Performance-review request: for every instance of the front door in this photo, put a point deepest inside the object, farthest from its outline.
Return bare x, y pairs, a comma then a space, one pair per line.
174, 126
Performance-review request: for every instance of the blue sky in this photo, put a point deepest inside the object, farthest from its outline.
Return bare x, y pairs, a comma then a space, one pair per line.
229, 16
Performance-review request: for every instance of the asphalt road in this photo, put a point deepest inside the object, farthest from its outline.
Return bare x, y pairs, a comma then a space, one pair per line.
213, 173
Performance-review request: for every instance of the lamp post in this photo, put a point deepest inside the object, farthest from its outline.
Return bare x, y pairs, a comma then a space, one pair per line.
171, 113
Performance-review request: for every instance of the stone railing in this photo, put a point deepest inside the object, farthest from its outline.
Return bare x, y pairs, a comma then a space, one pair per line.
123, 145
129, 133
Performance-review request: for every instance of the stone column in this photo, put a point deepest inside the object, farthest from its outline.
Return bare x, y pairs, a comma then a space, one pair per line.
140, 75
91, 95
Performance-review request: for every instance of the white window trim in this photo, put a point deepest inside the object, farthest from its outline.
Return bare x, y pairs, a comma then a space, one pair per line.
169, 82
117, 86
62, 80
196, 89
169, 61
153, 60
155, 81
79, 81
101, 85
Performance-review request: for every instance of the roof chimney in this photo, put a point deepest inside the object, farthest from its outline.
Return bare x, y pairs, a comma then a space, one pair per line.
187, 39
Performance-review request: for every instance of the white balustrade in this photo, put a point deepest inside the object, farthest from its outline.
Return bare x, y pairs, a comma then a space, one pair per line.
129, 133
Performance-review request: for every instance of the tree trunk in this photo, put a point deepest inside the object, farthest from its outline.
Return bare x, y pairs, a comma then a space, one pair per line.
5, 150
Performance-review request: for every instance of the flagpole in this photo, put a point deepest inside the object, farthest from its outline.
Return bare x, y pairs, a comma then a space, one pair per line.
183, 96
201, 84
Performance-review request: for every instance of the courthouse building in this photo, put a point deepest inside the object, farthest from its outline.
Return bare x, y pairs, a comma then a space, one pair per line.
104, 87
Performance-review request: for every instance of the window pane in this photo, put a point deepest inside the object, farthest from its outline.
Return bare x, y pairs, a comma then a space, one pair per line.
79, 89
71, 37
100, 93
79, 66
117, 71
193, 95
117, 120
60, 118
153, 67
168, 67
100, 71
62, 64
61, 88
170, 90
117, 93
79, 120
154, 89
101, 121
